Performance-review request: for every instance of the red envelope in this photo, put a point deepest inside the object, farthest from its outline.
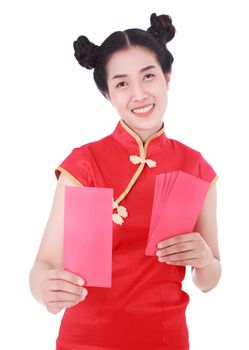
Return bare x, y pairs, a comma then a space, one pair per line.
178, 198
88, 234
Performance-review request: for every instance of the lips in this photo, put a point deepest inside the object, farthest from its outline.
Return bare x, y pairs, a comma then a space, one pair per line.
144, 112
140, 108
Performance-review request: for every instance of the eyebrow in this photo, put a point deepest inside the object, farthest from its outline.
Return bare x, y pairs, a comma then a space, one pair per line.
125, 75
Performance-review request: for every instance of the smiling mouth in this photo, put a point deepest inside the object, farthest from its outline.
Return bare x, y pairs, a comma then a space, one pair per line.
144, 109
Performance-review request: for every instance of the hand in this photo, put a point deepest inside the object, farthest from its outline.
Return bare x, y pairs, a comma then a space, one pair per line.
185, 249
61, 289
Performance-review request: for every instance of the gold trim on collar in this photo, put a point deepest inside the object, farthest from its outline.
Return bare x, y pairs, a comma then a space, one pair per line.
142, 147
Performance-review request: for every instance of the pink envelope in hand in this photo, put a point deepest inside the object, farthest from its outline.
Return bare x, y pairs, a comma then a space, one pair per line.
88, 234
180, 196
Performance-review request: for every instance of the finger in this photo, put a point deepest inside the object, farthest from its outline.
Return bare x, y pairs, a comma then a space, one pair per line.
176, 248
187, 262
185, 237
64, 286
58, 296
67, 276
179, 256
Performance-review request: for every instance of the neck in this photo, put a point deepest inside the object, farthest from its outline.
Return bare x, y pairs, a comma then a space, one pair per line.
145, 134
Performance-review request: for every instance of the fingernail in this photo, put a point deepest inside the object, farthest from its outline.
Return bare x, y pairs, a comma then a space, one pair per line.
160, 245
84, 292
158, 253
81, 282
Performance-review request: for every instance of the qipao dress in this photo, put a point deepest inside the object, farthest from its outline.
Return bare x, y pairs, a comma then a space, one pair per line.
145, 307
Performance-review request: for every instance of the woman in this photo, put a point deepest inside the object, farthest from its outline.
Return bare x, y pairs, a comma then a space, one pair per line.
145, 307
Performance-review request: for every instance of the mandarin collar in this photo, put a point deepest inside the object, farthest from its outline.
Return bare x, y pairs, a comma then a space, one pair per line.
130, 140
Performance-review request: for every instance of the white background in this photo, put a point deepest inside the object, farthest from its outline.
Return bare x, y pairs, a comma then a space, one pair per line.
50, 104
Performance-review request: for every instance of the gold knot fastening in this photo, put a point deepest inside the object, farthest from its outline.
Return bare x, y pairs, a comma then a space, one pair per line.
122, 213
137, 160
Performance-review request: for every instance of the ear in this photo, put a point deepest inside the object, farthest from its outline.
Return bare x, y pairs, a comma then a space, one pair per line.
167, 76
107, 96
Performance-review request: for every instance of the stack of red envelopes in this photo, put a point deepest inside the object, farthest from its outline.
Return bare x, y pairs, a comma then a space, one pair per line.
178, 198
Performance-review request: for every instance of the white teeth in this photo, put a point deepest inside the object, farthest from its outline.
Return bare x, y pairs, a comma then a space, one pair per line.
143, 110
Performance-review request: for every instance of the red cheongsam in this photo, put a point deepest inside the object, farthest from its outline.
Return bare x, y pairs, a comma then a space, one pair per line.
145, 307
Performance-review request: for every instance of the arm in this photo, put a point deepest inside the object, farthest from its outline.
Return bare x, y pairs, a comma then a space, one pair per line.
198, 249
49, 283
207, 277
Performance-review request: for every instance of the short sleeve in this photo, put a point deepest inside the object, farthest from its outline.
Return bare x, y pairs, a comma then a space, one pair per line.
206, 171
76, 167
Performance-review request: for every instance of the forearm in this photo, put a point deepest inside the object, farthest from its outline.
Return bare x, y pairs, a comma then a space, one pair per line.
35, 278
206, 278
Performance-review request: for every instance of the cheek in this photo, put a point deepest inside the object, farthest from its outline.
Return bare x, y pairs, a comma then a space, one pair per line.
159, 88
119, 100
164, 88
161, 94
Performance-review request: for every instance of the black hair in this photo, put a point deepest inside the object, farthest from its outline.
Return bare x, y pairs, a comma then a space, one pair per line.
154, 38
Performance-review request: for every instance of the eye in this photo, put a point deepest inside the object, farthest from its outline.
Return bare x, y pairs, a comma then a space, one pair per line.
120, 84
149, 75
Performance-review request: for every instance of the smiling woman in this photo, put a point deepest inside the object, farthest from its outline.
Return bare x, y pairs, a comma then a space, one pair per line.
142, 100
145, 307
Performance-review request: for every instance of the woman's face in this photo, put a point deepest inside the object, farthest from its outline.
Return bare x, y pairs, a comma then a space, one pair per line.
138, 89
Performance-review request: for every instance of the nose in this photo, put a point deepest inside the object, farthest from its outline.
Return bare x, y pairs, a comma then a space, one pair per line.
138, 92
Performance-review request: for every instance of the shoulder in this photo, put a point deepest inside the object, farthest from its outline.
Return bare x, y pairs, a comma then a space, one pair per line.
180, 149
91, 146
82, 156
192, 160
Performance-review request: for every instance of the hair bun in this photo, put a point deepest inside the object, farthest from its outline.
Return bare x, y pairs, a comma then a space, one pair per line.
86, 53
161, 28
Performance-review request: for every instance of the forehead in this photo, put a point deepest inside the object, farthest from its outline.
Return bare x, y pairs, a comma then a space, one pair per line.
130, 61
